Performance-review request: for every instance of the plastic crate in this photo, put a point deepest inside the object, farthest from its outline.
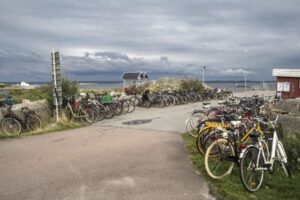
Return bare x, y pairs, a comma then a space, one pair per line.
106, 99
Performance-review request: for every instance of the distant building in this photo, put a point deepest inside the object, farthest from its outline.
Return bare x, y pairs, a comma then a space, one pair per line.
288, 82
131, 79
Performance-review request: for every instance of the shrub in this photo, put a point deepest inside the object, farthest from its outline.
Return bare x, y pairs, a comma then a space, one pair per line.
191, 85
69, 87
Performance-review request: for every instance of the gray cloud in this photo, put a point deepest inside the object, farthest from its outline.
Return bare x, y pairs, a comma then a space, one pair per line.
98, 39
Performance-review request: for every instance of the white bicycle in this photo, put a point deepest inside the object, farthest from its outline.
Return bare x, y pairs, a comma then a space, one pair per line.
254, 162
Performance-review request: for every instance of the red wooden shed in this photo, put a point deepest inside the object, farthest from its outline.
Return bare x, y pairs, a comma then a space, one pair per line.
288, 82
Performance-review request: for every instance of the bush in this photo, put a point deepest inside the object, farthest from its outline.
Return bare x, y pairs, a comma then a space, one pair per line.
69, 87
191, 85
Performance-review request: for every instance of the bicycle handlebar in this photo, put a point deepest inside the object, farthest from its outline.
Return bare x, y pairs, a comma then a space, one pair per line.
259, 119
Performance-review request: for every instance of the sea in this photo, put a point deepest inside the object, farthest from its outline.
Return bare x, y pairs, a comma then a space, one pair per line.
235, 86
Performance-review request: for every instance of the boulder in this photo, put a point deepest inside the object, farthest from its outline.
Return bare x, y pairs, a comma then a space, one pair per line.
40, 107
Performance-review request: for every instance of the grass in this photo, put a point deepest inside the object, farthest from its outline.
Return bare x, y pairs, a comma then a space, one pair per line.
49, 128
275, 186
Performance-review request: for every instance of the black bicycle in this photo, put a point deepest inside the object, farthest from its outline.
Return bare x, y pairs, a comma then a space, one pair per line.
12, 124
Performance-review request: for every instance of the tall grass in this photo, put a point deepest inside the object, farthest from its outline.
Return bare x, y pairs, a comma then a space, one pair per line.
275, 186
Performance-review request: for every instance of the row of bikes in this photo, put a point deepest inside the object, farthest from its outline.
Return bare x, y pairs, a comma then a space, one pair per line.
239, 132
171, 98
89, 108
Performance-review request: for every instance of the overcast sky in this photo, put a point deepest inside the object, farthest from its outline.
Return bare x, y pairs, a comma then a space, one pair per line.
99, 40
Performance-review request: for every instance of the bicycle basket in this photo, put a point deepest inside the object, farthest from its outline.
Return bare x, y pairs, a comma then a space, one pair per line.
106, 99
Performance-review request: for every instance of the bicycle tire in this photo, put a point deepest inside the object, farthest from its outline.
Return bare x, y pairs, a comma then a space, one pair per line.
146, 103
125, 107
135, 100
87, 115
190, 129
131, 106
11, 126
200, 139
34, 122
109, 111
216, 166
68, 113
248, 163
101, 110
117, 108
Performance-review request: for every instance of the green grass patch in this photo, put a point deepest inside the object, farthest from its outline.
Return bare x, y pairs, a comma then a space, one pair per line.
275, 186
49, 128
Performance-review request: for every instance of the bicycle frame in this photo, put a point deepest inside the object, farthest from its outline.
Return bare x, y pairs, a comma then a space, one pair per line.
76, 115
276, 148
23, 122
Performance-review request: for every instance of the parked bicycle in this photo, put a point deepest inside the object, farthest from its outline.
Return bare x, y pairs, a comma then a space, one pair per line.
80, 111
13, 125
254, 161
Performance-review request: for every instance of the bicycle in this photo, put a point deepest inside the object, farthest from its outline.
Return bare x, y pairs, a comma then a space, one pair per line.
254, 162
12, 124
76, 111
224, 151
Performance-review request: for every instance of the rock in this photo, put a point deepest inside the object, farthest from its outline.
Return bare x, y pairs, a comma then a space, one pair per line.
40, 107
290, 105
291, 122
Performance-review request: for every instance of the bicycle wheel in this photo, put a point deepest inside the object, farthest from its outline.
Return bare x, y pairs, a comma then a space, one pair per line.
190, 129
34, 122
102, 112
135, 100
131, 106
125, 107
251, 177
172, 100
283, 159
117, 108
217, 162
91, 114
146, 103
68, 113
11, 126
201, 138
109, 111
159, 102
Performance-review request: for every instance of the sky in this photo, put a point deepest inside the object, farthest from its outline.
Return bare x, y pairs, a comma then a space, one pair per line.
99, 40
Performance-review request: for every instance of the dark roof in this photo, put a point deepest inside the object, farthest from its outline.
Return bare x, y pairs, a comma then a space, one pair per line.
134, 75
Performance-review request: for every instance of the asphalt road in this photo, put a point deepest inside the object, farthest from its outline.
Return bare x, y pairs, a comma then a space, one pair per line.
100, 162
108, 160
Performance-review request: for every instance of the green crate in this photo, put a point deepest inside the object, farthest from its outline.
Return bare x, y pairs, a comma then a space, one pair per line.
106, 99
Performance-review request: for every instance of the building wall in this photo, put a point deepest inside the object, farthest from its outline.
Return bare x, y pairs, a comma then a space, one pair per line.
294, 87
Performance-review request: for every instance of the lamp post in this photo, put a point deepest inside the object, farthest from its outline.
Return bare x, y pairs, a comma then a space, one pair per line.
244, 73
203, 75
245, 86
203, 67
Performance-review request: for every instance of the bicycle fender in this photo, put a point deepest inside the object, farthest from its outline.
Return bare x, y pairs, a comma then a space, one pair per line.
244, 150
